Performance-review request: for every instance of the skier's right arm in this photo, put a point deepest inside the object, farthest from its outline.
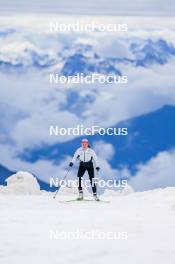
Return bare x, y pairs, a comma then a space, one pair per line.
76, 156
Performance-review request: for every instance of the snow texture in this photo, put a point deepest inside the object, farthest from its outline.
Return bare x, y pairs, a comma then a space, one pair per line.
30, 226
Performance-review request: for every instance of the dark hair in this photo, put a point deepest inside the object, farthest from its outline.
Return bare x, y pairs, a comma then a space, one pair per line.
89, 146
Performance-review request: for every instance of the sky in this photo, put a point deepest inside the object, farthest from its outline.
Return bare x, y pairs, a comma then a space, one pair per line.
26, 121
100, 7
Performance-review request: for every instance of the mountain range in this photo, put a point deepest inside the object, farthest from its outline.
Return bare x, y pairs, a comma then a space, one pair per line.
75, 58
148, 135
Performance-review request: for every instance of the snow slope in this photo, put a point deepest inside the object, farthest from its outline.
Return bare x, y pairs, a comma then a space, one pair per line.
147, 218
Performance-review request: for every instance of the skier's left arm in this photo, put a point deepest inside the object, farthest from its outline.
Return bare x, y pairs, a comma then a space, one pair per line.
94, 156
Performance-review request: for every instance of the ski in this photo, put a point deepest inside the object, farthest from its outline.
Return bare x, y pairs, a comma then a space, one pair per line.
84, 200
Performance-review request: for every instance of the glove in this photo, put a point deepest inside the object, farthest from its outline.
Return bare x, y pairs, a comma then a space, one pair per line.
71, 164
97, 168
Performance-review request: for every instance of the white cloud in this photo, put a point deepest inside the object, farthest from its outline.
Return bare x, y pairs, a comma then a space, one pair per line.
113, 48
40, 23
104, 150
156, 173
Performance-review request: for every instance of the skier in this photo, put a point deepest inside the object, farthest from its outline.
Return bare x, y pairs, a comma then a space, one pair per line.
86, 155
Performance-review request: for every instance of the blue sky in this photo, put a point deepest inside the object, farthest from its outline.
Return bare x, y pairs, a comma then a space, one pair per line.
122, 7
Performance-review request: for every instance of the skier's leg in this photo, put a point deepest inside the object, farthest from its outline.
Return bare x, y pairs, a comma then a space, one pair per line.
80, 174
79, 184
94, 188
91, 178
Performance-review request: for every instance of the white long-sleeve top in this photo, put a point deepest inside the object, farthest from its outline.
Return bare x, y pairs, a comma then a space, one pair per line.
85, 155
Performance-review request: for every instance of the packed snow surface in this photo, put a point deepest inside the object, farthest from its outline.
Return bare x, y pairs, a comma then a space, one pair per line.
40, 229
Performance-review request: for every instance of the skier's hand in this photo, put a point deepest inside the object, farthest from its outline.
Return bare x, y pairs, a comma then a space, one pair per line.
71, 164
97, 168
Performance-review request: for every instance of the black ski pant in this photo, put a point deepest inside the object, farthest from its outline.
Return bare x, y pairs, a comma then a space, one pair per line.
86, 166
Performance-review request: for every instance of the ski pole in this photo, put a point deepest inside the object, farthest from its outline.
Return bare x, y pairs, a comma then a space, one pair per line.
63, 180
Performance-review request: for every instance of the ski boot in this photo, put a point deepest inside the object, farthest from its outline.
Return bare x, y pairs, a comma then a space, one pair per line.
80, 197
96, 197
